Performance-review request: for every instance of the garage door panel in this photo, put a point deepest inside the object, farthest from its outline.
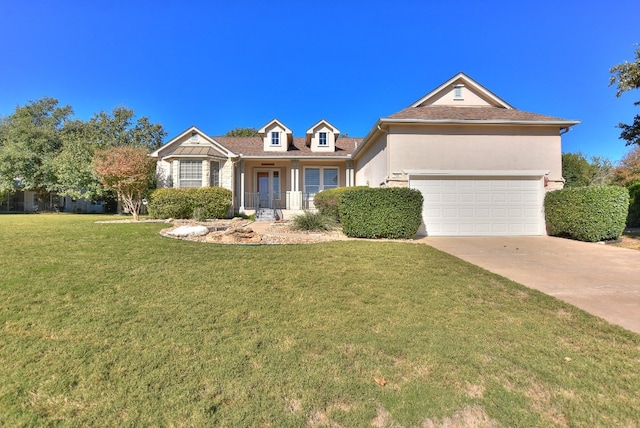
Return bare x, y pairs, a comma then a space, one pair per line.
450, 197
499, 213
481, 206
482, 198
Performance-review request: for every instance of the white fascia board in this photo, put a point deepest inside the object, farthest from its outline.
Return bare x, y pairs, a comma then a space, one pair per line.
195, 157
476, 173
346, 157
469, 82
372, 132
213, 142
274, 120
562, 123
335, 130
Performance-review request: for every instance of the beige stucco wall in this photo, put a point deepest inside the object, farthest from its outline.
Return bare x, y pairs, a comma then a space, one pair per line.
331, 139
469, 98
275, 127
475, 148
371, 167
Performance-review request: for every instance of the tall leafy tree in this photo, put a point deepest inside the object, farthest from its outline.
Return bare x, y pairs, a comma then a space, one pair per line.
578, 171
75, 175
628, 170
75, 172
121, 128
626, 76
128, 171
30, 139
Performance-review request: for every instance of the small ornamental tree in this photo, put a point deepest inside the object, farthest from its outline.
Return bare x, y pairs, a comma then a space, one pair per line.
128, 171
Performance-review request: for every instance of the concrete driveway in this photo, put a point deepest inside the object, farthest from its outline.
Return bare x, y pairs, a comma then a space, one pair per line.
601, 279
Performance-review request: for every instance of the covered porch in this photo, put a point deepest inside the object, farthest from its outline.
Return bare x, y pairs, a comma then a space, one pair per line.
287, 184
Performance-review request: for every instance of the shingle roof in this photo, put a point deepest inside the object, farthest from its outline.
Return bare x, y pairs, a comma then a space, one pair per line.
253, 146
455, 113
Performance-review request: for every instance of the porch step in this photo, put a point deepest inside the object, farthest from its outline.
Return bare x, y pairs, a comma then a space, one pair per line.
265, 214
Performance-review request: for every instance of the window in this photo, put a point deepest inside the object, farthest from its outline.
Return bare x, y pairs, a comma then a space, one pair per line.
322, 139
214, 174
190, 173
275, 138
319, 179
329, 178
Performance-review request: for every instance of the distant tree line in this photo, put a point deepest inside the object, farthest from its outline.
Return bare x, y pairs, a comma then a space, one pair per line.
44, 149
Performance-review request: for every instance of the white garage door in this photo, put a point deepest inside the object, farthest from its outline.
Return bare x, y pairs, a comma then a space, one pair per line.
481, 206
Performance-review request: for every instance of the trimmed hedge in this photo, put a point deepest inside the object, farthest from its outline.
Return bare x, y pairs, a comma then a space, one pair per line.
633, 218
328, 201
594, 213
203, 202
394, 213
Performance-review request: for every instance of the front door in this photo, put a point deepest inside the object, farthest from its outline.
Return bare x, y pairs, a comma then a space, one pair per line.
268, 188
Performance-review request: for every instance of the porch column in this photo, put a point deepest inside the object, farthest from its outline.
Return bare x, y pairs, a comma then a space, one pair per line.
295, 183
241, 185
349, 178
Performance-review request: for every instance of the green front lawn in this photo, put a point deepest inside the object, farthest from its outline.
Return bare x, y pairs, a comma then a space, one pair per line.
111, 324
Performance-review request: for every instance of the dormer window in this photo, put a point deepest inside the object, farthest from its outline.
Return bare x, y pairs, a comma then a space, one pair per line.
322, 138
275, 138
194, 137
457, 92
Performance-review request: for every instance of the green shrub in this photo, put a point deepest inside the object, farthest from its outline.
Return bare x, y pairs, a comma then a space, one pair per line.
591, 214
381, 213
313, 221
328, 201
199, 203
633, 218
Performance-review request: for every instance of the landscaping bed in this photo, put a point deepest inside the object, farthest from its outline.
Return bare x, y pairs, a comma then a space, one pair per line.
245, 232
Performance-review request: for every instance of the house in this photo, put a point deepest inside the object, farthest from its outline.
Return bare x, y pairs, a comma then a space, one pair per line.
482, 165
27, 201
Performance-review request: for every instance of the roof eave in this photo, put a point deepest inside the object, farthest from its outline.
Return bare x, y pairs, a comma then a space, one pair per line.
373, 131
253, 157
561, 123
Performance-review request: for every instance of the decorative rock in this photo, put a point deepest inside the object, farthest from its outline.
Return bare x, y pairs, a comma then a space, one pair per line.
189, 231
237, 235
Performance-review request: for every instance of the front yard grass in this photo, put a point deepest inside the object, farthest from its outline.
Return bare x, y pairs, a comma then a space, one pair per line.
111, 324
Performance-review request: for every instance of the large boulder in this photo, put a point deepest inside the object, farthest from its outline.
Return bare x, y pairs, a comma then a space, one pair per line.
189, 231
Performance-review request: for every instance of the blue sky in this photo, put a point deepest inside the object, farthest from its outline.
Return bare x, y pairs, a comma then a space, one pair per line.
218, 65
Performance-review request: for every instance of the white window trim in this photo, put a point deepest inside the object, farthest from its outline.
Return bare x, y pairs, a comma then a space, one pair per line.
321, 168
275, 135
320, 139
211, 172
180, 165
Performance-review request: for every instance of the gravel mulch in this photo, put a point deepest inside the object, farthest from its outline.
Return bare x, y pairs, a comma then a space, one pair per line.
240, 231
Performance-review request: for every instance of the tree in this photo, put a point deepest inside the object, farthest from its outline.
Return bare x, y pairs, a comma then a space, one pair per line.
29, 142
119, 129
242, 132
578, 171
626, 76
628, 170
74, 170
75, 174
128, 171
